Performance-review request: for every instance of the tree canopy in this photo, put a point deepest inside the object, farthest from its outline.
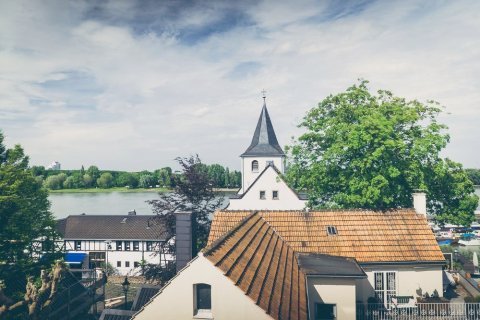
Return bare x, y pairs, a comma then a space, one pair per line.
193, 193
372, 151
24, 207
27, 232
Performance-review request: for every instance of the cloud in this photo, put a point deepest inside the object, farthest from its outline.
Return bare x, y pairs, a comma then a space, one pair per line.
133, 84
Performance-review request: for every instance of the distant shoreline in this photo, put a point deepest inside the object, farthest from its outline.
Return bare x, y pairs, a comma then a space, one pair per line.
129, 190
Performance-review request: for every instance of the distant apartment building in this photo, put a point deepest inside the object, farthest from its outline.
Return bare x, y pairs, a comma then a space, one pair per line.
123, 241
55, 165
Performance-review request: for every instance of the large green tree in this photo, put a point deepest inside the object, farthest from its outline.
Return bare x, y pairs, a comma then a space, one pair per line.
364, 150
26, 232
24, 207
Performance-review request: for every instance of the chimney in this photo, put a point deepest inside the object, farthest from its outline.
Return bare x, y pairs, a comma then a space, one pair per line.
183, 238
420, 202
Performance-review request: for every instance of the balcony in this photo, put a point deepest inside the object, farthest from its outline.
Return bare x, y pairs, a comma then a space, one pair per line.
450, 311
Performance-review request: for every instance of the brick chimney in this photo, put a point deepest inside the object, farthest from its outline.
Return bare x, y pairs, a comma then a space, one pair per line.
183, 238
420, 202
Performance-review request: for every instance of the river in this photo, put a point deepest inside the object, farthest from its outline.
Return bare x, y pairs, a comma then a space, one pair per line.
65, 204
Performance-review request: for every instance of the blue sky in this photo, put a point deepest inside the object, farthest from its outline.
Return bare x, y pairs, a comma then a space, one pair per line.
130, 85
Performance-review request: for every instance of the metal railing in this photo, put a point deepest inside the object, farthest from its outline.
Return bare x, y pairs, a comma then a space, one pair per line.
444, 311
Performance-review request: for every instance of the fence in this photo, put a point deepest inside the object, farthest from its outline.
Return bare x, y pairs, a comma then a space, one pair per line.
443, 311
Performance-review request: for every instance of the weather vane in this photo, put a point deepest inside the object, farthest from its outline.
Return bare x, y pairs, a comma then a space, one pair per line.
264, 94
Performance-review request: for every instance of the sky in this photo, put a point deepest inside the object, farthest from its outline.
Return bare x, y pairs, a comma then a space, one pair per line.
131, 85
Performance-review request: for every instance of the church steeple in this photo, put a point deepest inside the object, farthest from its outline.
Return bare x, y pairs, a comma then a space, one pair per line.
264, 142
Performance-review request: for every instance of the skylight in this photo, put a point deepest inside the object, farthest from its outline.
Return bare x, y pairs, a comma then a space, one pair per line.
331, 230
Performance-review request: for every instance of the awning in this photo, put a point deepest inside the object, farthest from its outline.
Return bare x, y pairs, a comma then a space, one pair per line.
75, 257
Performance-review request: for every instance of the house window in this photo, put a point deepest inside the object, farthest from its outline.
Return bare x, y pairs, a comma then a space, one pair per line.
127, 245
119, 245
119, 264
127, 264
325, 311
136, 264
385, 286
275, 195
149, 246
202, 300
331, 230
254, 166
262, 195
78, 245
136, 245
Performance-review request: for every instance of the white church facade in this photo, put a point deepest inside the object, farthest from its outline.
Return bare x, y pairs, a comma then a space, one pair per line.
263, 164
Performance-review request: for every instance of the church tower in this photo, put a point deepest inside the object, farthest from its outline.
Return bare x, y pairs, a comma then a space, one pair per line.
263, 151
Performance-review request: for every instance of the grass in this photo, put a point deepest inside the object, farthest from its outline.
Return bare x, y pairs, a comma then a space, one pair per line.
123, 189
115, 189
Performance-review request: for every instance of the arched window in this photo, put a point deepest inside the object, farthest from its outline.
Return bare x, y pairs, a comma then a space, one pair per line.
254, 166
202, 299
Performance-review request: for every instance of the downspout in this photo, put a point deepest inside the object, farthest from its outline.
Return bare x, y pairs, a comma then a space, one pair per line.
308, 300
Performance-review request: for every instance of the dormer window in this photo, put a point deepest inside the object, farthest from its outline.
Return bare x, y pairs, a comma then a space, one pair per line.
331, 230
254, 166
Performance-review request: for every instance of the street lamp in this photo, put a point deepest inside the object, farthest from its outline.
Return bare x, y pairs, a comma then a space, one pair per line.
125, 287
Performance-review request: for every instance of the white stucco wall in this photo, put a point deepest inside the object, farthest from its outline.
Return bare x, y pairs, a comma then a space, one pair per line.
268, 182
113, 256
332, 291
410, 278
175, 301
248, 177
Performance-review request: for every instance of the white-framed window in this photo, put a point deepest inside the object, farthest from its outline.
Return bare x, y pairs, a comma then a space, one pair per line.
385, 286
78, 245
127, 245
127, 264
119, 245
262, 195
254, 166
325, 311
136, 245
149, 246
275, 194
202, 301
331, 230
119, 264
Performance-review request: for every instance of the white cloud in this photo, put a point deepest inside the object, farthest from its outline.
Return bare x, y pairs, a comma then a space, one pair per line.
82, 85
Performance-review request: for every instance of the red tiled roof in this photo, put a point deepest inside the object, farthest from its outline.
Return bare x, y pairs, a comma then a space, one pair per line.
263, 265
367, 236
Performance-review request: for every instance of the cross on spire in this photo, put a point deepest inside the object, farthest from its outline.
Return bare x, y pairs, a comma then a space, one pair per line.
264, 95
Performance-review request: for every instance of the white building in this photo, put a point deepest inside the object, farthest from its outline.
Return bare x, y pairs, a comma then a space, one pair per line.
263, 164
303, 265
55, 165
123, 241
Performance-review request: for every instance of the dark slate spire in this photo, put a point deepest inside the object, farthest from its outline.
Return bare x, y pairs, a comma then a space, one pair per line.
264, 141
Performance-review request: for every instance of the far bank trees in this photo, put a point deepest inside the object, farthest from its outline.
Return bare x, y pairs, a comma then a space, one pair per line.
364, 150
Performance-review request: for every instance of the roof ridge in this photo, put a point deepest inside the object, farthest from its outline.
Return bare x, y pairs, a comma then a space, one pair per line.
207, 250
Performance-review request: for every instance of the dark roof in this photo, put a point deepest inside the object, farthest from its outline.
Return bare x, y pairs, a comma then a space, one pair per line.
144, 294
111, 227
264, 141
329, 266
116, 314
257, 260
